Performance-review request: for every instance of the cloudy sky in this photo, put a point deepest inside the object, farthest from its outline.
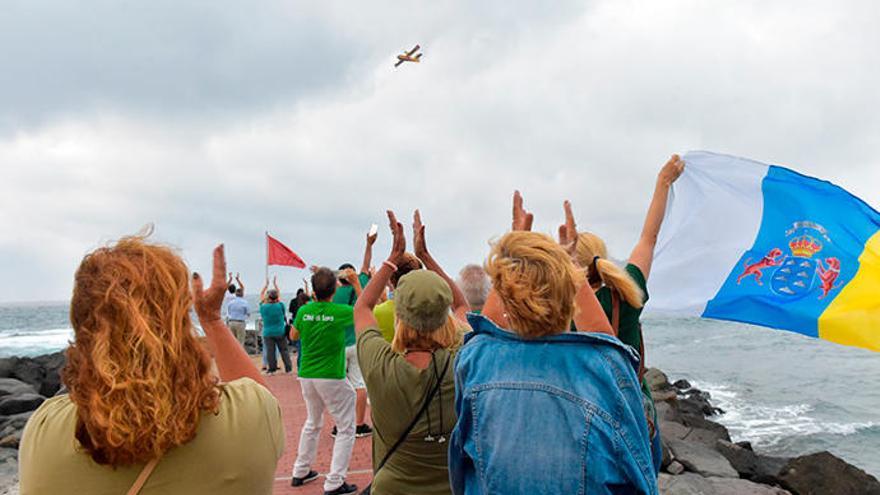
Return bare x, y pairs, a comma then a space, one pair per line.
217, 120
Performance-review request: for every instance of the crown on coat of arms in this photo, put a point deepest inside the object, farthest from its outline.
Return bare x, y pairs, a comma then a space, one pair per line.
804, 246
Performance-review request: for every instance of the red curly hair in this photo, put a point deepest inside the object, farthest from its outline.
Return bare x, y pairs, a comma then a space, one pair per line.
136, 372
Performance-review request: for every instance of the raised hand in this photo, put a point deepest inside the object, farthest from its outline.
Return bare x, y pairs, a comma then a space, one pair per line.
568, 234
398, 246
208, 302
371, 239
522, 219
420, 246
671, 171
350, 275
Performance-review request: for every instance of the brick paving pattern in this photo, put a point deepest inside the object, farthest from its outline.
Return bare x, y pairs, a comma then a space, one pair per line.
293, 410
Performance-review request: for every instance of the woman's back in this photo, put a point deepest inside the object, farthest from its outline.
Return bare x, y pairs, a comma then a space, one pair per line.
233, 452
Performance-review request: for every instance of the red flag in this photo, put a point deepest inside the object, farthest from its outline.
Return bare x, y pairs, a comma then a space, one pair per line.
279, 254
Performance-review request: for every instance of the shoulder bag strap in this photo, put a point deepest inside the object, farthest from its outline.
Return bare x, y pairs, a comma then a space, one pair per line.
615, 311
418, 416
143, 477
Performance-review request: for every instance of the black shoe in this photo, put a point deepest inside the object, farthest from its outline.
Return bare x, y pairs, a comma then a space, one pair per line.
363, 430
343, 488
310, 476
333, 433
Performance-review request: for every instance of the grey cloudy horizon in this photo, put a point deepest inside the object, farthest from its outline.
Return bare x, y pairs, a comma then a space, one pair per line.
216, 120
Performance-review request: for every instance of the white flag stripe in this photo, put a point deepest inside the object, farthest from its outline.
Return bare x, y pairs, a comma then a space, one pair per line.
713, 217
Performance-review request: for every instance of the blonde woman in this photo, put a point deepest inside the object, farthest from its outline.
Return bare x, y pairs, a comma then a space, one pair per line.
410, 381
541, 409
145, 414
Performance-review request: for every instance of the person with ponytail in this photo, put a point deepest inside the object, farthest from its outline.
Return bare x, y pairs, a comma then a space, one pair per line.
542, 410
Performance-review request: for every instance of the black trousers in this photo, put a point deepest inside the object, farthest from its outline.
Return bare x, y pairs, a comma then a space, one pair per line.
279, 342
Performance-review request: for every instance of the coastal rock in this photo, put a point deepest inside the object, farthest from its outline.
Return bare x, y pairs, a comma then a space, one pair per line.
719, 430
42, 372
16, 421
824, 473
8, 475
674, 467
657, 380
666, 411
750, 465
676, 431
682, 384
11, 441
692, 484
697, 404
14, 404
11, 386
700, 459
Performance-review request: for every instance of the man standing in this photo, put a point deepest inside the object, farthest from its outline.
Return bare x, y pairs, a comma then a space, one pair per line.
321, 327
238, 312
347, 294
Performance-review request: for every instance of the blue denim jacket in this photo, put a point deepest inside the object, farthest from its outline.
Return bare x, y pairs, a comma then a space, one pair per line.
553, 415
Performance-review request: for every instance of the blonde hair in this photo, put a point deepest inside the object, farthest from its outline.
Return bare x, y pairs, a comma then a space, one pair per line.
407, 337
588, 247
536, 281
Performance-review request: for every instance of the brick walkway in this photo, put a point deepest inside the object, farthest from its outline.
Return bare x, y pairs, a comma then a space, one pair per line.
293, 409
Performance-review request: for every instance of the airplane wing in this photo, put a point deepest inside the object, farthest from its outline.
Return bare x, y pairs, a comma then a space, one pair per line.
409, 53
399, 62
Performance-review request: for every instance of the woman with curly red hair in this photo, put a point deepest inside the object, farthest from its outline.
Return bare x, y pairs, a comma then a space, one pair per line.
145, 413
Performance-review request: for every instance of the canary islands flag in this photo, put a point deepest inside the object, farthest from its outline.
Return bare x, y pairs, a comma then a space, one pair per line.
763, 244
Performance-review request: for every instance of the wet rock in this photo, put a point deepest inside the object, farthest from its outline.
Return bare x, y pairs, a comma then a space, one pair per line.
41, 372
692, 484
14, 404
698, 405
682, 384
12, 386
824, 473
750, 465
701, 459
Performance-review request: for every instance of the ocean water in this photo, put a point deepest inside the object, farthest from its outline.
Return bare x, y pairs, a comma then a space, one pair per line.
786, 393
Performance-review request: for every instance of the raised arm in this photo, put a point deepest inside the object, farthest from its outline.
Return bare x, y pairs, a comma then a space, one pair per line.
589, 315
355, 281
642, 255
460, 306
232, 361
240, 283
263, 291
363, 308
368, 253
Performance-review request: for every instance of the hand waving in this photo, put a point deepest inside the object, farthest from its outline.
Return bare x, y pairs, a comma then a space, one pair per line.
398, 246
208, 302
568, 234
420, 246
522, 219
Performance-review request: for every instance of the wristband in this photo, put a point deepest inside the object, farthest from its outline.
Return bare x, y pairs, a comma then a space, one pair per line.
389, 264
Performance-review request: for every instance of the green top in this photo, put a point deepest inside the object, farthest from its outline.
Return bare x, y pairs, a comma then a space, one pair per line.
234, 451
273, 319
384, 314
628, 330
322, 327
346, 295
397, 390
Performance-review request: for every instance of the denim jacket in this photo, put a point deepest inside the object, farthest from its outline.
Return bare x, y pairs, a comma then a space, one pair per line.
549, 415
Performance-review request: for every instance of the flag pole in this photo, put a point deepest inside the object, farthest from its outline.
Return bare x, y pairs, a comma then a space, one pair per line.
266, 239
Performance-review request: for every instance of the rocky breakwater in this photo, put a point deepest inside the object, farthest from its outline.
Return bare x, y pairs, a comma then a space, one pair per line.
699, 457
24, 384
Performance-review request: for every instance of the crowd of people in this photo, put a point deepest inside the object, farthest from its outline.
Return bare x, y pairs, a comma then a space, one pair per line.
523, 375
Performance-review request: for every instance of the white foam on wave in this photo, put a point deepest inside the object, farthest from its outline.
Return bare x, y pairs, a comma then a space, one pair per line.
765, 425
33, 342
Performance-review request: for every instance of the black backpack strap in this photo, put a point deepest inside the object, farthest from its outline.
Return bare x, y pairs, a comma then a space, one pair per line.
418, 416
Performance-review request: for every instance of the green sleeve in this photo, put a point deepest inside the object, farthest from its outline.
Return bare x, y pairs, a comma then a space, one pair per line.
365, 279
639, 278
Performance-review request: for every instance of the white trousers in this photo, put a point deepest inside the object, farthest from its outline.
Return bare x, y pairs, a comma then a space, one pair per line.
338, 397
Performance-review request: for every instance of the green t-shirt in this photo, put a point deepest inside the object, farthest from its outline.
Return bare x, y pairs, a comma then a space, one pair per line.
322, 327
273, 319
628, 330
397, 391
384, 314
346, 295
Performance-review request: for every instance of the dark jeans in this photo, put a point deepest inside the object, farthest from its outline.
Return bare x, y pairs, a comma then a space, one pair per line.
280, 343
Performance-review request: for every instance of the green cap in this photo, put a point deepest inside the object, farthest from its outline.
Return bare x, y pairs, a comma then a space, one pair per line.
422, 300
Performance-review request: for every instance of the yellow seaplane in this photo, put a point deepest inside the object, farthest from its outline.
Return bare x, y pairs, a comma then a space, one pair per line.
409, 56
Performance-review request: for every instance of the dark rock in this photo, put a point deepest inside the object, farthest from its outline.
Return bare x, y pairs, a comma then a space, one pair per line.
16, 421
705, 424
42, 372
667, 411
682, 384
7, 365
745, 444
6, 454
666, 454
52, 365
11, 386
825, 473
692, 484
678, 431
701, 459
698, 405
15, 404
663, 395
752, 466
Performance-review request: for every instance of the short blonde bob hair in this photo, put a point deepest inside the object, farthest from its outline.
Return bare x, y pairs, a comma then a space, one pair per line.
406, 337
536, 281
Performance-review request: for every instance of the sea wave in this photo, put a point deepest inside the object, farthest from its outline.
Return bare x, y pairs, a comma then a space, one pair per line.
765, 426
20, 342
